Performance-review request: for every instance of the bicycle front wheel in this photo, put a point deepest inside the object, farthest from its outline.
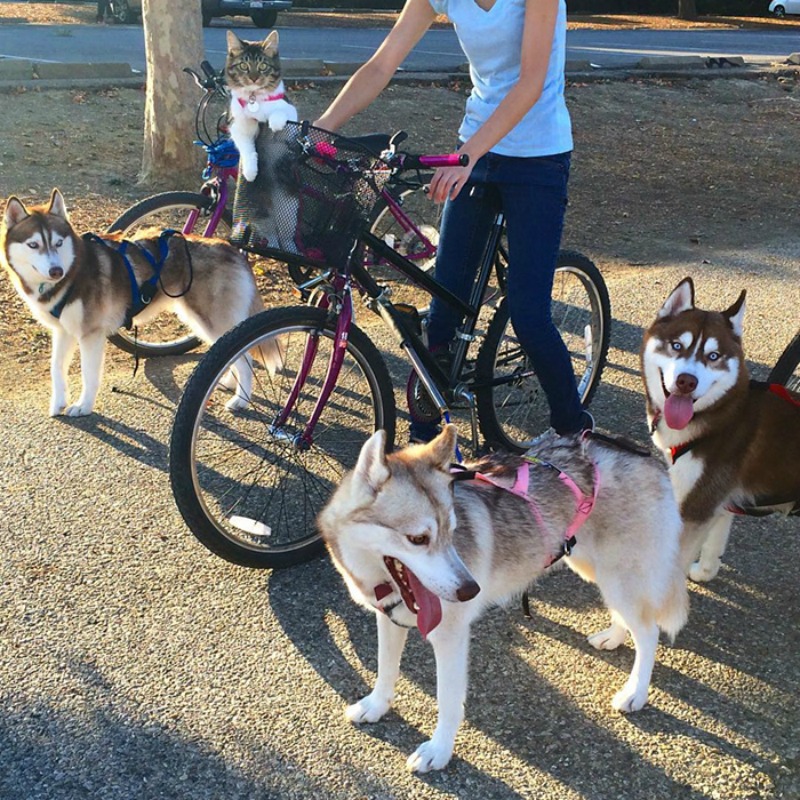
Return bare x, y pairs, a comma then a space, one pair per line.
787, 370
512, 406
249, 485
166, 335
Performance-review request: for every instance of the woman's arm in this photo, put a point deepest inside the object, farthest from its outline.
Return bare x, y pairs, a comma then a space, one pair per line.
374, 75
537, 45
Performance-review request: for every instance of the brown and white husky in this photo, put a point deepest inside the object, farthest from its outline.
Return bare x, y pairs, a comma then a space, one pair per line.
422, 549
732, 445
81, 289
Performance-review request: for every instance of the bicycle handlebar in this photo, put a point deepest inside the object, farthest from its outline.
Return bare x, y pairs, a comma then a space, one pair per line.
213, 80
431, 162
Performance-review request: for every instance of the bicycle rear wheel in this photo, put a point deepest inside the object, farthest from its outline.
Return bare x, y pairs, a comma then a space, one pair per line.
787, 370
251, 491
165, 335
512, 406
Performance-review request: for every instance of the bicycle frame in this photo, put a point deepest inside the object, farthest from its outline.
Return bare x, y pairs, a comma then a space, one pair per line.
436, 382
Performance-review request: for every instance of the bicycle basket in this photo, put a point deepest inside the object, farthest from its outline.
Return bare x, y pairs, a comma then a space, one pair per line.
313, 194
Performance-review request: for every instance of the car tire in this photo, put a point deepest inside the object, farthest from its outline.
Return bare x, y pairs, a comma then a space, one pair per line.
779, 11
264, 19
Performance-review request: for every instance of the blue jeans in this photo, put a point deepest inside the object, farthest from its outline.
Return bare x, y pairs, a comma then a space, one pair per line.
532, 194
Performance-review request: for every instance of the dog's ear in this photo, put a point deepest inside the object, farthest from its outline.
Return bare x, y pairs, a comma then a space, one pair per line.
735, 314
371, 466
15, 212
442, 450
57, 205
681, 299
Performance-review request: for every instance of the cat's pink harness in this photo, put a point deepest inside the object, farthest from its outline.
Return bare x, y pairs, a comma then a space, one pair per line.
255, 99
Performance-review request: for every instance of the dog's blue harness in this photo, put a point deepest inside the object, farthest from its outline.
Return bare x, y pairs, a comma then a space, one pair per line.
141, 296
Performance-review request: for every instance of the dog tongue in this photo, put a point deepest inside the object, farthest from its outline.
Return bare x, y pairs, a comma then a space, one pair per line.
678, 411
429, 605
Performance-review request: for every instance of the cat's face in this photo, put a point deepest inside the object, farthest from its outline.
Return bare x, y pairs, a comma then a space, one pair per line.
252, 66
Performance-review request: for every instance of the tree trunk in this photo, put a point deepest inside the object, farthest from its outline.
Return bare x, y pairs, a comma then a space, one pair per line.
687, 9
173, 38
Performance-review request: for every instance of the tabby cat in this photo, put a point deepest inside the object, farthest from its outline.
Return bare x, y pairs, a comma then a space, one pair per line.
253, 74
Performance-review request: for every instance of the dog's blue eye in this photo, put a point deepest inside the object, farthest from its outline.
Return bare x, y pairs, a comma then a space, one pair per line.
677, 346
59, 242
713, 356
33, 245
422, 539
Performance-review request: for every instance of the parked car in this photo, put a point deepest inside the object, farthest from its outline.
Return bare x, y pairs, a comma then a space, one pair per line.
264, 13
125, 11
780, 8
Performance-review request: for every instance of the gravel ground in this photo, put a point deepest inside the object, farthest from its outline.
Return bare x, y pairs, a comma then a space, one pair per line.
134, 664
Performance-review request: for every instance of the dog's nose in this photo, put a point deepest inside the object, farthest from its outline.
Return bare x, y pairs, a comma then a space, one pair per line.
56, 273
686, 383
467, 591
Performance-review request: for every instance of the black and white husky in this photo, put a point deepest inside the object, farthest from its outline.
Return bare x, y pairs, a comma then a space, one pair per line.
420, 548
82, 289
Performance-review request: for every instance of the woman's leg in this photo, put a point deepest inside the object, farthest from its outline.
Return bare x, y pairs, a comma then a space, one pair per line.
463, 234
534, 196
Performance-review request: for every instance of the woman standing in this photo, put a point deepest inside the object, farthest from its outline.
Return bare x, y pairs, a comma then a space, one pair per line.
517, 133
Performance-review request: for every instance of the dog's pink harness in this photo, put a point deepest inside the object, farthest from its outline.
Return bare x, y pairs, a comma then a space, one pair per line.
583, 504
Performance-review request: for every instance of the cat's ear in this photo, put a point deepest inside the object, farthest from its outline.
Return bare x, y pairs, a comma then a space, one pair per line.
234, 42
271, 42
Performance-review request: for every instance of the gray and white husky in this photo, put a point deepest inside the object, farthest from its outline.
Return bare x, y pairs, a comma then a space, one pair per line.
81, 290
422, 549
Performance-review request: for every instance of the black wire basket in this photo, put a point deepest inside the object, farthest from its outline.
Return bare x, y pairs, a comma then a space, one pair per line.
314, 193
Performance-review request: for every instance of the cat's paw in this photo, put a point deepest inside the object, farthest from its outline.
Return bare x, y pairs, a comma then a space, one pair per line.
277, 122
249, 170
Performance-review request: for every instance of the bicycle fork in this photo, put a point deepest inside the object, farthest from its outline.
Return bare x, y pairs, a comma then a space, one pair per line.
305, 438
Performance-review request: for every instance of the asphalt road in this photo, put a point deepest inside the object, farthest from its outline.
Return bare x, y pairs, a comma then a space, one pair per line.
438, 49
136, 665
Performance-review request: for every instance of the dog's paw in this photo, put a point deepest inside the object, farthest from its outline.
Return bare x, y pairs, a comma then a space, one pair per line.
78, 410
630, 698
368, 709
609, 639
57, 407
236, 403
703, 571
429, 756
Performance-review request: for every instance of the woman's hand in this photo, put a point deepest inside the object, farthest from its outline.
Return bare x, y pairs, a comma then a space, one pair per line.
448, 182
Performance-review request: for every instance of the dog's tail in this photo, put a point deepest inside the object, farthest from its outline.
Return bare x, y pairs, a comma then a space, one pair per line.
674, 611
269, 354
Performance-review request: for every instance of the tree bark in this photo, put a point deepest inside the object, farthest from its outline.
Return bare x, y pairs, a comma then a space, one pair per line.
173, 37
687, 9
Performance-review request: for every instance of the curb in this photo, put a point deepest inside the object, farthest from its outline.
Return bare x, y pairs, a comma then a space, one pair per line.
16, 75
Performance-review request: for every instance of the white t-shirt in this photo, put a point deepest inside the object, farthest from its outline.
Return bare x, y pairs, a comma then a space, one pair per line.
492, 42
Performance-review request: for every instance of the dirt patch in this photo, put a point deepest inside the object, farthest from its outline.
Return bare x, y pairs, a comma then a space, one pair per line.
664, 171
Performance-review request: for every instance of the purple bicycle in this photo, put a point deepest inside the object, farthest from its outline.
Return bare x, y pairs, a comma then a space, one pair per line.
250, 481
402, 217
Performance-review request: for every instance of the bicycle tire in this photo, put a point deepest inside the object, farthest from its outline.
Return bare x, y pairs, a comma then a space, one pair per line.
385, 226
232, 473
787, 369
512, 412
165, 335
